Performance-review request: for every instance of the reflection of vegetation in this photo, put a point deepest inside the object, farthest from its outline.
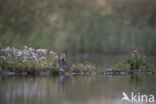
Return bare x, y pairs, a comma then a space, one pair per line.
136, 79
134, 62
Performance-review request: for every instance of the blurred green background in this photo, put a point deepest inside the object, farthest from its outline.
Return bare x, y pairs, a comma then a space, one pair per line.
79, 26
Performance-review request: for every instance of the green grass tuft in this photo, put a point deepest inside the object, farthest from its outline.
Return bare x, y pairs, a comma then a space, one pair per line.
133, 62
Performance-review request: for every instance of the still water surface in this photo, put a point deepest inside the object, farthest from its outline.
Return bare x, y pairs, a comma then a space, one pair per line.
95, 89
105, 61
80, 89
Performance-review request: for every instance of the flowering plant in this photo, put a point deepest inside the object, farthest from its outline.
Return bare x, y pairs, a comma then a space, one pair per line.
27, 59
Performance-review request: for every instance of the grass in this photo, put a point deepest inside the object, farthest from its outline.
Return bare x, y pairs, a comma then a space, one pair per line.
82, 28
31, 61
100, 35
134, 62
86, 68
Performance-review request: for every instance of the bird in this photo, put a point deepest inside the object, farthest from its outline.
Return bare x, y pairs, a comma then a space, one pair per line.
64, 66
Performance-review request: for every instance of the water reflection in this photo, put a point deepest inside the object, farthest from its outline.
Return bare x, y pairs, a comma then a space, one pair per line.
63, 83
72, 89
137, 79
14, 89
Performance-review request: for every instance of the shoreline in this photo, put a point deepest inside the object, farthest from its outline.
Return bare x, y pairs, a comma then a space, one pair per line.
12, 73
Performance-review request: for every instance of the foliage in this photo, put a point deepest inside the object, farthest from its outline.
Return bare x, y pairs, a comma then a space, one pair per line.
28, 60
86, 68
63, 25
31, 60
36, 60
133, 62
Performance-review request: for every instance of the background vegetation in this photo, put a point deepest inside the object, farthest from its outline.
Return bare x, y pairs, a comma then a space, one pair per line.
79, 26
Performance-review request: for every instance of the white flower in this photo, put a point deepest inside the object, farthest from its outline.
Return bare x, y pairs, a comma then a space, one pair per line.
38, 50
33, 54
9, 55
19, 53
24, 60
25, 47
44, 51
6, 50
26, 52
42, 58
25, 57
2, 57
54, 54
13, 50
45, 63
31, 49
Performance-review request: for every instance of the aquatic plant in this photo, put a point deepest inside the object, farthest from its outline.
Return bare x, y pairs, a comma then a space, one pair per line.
31, 60
133, 62
86, 67
28, 60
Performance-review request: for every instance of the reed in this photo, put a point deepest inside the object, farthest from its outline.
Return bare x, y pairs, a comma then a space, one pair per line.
96, 26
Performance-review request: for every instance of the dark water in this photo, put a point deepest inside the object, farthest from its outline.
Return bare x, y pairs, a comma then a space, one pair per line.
98, 89
105, 60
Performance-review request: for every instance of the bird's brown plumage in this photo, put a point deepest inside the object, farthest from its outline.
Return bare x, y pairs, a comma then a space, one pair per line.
64, 66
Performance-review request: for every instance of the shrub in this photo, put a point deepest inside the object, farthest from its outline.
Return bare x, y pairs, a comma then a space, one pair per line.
28, 60
133, 62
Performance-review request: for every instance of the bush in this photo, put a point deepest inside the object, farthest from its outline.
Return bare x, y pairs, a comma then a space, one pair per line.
28, 60
133, 62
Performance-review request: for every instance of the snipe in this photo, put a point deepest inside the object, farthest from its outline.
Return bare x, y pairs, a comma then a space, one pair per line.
64, 66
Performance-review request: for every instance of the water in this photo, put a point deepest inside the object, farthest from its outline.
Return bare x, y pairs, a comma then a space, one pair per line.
97, 89
104, 60
80, 89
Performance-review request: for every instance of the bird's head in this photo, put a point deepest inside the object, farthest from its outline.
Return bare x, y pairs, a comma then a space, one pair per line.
62, 56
